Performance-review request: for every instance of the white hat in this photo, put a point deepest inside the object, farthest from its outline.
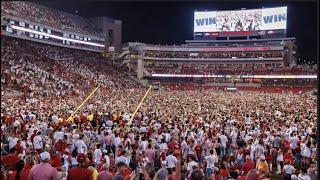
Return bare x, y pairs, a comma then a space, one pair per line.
163, 163
45, 156
262, 158
122, 160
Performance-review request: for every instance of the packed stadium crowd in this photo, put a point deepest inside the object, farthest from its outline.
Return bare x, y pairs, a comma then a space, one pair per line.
175, 134
163, 54
233, 69
271, 86
48, 16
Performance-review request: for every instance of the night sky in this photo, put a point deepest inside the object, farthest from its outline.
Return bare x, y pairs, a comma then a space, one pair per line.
172, 22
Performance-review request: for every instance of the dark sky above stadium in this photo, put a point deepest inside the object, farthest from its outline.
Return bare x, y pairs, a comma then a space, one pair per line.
172, 22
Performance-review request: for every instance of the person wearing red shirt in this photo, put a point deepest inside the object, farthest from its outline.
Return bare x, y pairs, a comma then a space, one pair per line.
286, 144
18, 147
198, 150
288, 156
122, 123
10, 159
24, 173
149, 132
56, 161
81, 172
27, 167
61, 145
9, 120
64, 122
77, 121
17, 174
173, 145
248, 165
83, 119
33, 135
97, 117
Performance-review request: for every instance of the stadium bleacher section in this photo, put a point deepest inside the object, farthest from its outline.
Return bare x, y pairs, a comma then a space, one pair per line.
48, 16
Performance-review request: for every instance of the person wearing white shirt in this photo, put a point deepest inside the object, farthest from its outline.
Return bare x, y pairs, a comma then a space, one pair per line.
97, 154
144, 143
247, 120
58, 135
234, 135
184, 147
279, 160
242, 134
259, 150
109, 123
305, 153
123, 159
294, 142
288, 170
248, 137
171, 160
192, 165
65, 168
16, 123
81, 146
116, 141
167, 137
12, 141
303, 175
37, 142
223, 143
163, 145
143, 129
211, 160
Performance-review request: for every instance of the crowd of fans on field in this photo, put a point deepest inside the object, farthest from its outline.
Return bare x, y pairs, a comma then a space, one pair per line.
175, 134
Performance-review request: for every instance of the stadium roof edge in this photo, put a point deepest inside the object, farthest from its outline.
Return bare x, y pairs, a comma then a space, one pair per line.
246, 40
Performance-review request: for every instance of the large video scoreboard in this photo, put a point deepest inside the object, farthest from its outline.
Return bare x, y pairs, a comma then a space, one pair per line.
241, 22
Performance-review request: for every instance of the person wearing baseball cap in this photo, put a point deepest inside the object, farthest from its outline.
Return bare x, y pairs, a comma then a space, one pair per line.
80, 172
44, 170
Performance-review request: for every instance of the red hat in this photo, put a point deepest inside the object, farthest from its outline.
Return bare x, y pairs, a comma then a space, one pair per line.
81, 158
67, 152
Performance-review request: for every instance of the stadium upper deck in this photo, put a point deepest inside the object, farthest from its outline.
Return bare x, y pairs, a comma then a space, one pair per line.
50, 17
38, 23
